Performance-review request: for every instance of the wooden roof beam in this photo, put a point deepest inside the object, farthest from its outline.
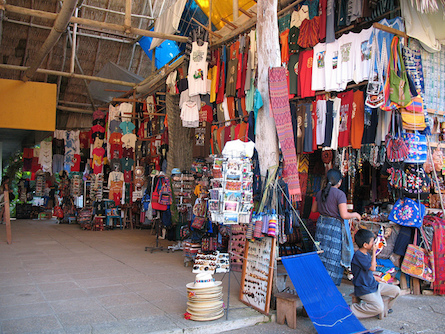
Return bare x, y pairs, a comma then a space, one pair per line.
70, 75
95, 24
60, 24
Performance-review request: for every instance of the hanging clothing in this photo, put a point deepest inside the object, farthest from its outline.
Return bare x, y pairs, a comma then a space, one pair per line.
198, 67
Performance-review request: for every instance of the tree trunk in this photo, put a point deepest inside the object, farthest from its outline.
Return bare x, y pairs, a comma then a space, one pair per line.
268, 56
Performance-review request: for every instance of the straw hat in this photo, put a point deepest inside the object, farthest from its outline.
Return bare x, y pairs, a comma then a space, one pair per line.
203, 281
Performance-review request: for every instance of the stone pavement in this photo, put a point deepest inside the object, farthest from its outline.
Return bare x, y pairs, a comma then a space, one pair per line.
61, 279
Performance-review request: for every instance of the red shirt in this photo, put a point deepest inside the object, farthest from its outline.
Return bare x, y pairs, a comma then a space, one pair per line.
305, 73
345, 118
322, 5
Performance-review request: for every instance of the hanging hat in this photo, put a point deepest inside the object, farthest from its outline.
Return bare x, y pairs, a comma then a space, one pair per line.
203, 281
98, 115
326, 156
176, 171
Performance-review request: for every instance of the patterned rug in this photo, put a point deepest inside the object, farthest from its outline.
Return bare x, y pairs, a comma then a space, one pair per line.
279, 105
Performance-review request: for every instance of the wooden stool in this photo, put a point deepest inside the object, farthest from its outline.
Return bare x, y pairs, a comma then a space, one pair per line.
128, 216
287, 304
356, 300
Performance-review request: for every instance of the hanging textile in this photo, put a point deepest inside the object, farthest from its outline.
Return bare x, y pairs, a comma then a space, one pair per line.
325, 305
279, 105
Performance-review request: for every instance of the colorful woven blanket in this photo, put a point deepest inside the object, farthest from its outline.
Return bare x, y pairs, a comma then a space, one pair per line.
279, 106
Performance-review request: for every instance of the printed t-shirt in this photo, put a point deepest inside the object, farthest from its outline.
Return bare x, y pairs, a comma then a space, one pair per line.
332, 67
329, 124
371, 120
307, 145
190, 114
114, 126
127, 127
362, 56
127, 164
198, 67
115, 165
232, 69
314, 126
84, 140
357, 126
330, 206
115, 138
75, 166
345, 118
301, 110
294, 33
318, 67
238, 148
185, 97
128, 152
116, 148
347, 45
335, 123
98, 163
127, 176
201, 140
126, 110
115, 184
97, 128
129, 140
321, 121
293, 73
305, 74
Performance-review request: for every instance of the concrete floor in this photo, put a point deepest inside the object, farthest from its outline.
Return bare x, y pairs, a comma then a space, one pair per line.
61, 279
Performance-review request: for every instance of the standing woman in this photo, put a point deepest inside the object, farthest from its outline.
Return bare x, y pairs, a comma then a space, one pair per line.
330, 202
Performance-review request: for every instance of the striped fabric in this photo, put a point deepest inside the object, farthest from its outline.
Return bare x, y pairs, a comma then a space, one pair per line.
279, 105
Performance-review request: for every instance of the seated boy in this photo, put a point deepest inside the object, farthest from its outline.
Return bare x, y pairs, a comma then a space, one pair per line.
365, 285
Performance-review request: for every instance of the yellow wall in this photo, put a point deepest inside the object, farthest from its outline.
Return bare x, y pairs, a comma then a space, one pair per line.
27, 105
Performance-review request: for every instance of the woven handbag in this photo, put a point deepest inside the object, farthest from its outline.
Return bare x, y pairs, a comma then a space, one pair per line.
419, 262
399, 92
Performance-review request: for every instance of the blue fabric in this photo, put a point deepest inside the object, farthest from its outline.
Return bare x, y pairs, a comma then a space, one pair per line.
407, 212
347, 249
322, 301
364, 281
330, 237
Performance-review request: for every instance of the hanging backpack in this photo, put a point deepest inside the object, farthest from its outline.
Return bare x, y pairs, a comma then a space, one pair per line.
155, 197
165, 193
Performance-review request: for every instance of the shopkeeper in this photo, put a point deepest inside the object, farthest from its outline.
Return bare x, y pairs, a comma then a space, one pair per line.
330, 202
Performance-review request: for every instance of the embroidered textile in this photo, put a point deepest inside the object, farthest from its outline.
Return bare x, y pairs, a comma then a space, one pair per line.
279, 105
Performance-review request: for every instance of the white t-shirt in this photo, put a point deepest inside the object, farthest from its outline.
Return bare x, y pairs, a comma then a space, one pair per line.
198, 68
126, 110
362, 55
171, 82
335, 123
190, 115
129, 140
318, 67
299, 16
346, 49
332, 67
185, 97
321, 121
238, 149
113, 113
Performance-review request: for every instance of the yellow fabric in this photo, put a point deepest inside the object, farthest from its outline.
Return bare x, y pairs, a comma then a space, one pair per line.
413, 121
223, 9
212, 75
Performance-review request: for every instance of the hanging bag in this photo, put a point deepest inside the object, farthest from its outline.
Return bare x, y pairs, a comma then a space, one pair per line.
407, 212
419, 262
375, 96
155, 198
396, 148
165, 193
399, 92
416, 182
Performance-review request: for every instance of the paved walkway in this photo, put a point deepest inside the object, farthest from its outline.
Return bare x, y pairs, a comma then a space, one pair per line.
61, 279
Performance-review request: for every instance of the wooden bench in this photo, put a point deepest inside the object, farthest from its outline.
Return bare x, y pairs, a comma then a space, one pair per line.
287, 304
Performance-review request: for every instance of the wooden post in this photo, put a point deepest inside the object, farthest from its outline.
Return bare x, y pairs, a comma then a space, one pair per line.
235, 10
268, 56
7, 215
127, 23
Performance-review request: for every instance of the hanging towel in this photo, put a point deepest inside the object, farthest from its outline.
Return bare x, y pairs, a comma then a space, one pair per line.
280, 109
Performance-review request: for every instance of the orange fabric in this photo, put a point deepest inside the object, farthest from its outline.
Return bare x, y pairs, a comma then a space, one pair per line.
242, 131
115, 138
358, 119
212, 130
234, 50
231, 107
284, 46
218, 137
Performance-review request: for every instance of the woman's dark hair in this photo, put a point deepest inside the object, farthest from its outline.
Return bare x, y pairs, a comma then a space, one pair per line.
333, 177
363, 236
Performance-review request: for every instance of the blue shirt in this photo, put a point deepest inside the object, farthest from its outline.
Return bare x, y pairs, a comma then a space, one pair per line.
364, 281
